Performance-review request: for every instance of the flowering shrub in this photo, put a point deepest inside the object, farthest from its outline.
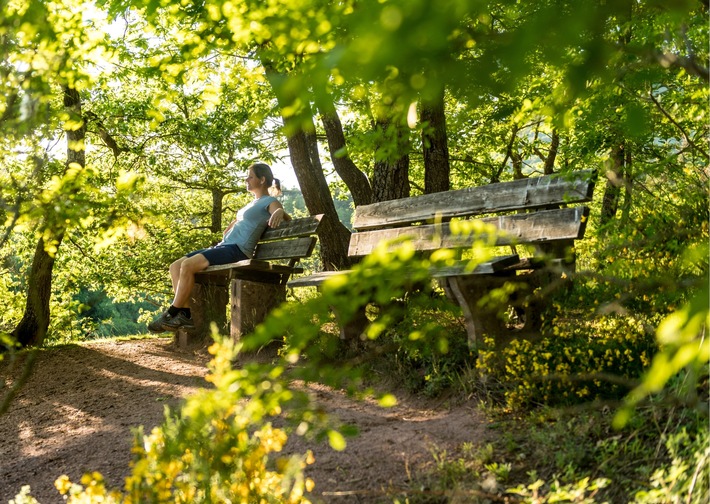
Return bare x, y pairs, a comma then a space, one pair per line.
212, 450
577, 362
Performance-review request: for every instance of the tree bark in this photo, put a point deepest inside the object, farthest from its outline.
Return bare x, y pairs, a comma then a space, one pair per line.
32, 328
435, 146
333, 236
354, 178
610, 200
628, 186
549, 167
390, 176
217, 204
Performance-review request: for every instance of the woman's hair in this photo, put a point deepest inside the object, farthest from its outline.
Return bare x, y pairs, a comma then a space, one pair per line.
264, 170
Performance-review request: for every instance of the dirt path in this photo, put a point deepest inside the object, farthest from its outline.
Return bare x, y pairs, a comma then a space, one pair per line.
76, 411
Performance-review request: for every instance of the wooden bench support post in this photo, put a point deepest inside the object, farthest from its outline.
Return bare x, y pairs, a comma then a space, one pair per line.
251, 302
486, 321
480, 322
353, 329
208, 303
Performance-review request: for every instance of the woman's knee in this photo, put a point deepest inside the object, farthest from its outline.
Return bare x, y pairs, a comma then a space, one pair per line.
192, 265
176, 265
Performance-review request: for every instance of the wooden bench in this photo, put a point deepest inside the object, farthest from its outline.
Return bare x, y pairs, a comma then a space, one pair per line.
255, 286
535, 214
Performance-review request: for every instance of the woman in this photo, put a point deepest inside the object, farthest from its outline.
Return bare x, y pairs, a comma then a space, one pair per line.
238, 243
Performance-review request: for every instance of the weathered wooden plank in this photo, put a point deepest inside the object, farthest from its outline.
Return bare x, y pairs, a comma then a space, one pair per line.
285, 249
315, 279
249, 264
535, 192
536, 227
491, 266
294, 228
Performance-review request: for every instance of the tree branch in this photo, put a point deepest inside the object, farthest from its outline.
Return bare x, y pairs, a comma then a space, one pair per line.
677, 125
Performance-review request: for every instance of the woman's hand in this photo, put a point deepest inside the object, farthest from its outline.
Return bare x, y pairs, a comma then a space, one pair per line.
277, 217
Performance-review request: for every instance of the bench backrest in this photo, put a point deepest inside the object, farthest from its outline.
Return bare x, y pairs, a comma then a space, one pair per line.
292, 240
548, 223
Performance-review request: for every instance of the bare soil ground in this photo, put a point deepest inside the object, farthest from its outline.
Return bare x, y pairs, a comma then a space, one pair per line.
76, 411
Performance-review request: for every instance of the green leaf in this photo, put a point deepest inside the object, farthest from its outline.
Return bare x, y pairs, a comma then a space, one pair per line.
387, 401
336, 440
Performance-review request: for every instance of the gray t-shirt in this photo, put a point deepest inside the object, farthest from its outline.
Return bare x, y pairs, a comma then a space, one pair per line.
251, 223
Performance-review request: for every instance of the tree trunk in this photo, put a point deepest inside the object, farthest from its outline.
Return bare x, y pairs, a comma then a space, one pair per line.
216, 217
435, 146
32, 328
610, 200
628, 185
390, 178
333, 236
355, 179
552, 153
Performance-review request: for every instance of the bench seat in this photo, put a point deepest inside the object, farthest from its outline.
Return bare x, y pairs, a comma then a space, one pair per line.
461, 268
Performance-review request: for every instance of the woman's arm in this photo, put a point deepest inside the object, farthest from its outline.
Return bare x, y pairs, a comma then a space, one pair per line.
278, 214
231, 225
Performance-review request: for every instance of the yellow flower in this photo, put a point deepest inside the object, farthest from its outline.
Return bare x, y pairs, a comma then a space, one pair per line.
63, 484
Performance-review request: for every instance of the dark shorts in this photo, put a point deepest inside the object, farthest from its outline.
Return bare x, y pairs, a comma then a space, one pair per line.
221, 254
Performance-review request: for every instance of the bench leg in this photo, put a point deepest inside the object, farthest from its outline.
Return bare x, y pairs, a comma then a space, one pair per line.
480, 322
484, 321
251, 302
208, 303
352, 330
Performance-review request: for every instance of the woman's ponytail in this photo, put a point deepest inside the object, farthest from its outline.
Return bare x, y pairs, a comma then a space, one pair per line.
275, 189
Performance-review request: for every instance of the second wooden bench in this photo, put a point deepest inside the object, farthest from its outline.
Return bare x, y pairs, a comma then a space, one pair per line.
535, 214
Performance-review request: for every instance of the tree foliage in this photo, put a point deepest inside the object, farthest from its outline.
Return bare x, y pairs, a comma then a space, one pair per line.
178, 98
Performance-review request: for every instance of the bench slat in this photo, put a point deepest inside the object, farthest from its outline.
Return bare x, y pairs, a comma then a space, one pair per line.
536, 227
250, 265
460, 268
270, 251
489, 267
294, 228
285, 249
534, 192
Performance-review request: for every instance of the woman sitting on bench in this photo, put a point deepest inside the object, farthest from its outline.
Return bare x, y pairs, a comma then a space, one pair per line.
238, 244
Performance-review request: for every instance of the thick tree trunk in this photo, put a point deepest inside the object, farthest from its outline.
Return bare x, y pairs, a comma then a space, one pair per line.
390, 176
355, 179
333, 236
391, 179
615, 180
435, 146
32, 328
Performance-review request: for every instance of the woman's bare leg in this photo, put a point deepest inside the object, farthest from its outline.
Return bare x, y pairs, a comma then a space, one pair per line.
186, 278
175, 273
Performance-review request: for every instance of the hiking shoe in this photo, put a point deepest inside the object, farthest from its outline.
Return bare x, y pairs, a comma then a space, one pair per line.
179, 321
156, 326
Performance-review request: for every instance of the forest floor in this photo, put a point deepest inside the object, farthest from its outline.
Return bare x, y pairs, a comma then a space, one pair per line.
77, 409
